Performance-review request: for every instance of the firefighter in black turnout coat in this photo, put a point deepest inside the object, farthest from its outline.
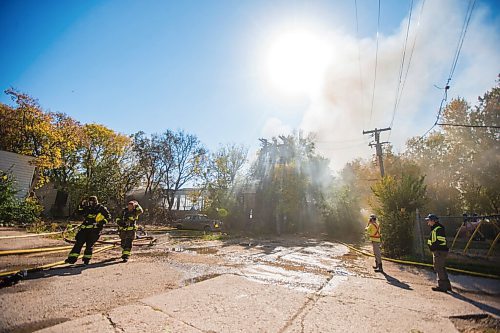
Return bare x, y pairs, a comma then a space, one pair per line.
127, 226
95, 216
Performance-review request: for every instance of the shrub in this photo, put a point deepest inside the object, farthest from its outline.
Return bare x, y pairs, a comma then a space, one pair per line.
397, 199
13, 209
341, 213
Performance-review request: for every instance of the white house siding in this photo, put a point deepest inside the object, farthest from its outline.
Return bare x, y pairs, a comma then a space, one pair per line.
21, 169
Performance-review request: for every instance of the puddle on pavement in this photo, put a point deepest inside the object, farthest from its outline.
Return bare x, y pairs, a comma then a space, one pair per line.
298, 268
300, 281
203, 250
197, 250
307, 269
331, 285
318, 268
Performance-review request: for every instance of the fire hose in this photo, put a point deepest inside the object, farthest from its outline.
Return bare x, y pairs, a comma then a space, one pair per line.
415, 263
37, 235
113, 243
57, 263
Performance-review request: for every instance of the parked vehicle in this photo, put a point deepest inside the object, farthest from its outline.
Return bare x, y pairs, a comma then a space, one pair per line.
198, 222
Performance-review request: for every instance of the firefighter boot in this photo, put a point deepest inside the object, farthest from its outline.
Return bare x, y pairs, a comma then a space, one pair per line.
379, 268
70, 260
441, 286
86, 261
447, 285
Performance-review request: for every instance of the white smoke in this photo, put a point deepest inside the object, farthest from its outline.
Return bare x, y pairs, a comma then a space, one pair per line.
273, 127
342, 110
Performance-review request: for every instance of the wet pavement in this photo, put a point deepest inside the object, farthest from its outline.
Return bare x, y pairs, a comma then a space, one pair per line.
265, 285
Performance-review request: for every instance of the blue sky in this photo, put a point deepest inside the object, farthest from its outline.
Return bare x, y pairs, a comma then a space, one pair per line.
199, 65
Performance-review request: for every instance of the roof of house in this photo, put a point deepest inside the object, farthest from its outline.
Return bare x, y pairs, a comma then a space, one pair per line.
21, 169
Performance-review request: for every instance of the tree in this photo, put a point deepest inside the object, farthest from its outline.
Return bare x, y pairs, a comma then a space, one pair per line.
103, 158
220, 174
461, 162
181, 158
341, 211
398, 198
28, 130
147, 151
289, 176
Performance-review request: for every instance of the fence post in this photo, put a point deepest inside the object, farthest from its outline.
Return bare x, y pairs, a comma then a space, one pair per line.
418, 240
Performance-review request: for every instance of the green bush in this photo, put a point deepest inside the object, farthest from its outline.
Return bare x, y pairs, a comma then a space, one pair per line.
397, 199
396, 229
341, 213
13, 209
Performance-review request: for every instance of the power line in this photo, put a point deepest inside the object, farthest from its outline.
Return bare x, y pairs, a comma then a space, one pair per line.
401, 68
412, 48
470, 126
359, 50
468, 15
445, 97
376, 61
470, 8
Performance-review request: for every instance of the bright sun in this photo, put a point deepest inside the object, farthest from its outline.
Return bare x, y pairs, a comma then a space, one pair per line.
297, 62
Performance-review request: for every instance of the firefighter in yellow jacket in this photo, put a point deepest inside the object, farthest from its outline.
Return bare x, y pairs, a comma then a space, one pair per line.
127, 226
95, 216
373, 232
439, 249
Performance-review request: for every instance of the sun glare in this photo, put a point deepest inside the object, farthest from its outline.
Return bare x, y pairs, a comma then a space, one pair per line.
297, 62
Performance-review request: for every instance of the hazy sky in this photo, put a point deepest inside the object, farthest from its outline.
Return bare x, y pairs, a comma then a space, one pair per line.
235, 71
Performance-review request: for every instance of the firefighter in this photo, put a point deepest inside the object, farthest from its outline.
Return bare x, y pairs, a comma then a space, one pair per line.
373, 232
95, 216
439, 249
127, 226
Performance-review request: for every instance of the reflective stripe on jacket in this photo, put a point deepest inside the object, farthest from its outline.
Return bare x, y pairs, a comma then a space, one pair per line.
437, 238
373, 231
95, 216
128, 221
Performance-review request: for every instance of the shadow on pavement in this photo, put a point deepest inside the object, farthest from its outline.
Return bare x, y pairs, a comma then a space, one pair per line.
485, 307
71, 270
395, 282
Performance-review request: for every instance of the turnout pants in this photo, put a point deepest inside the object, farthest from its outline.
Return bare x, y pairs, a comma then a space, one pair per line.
87, 237
439, 262
377, 254
126, 236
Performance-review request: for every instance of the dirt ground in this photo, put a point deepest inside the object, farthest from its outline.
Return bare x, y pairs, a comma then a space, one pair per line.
60, 294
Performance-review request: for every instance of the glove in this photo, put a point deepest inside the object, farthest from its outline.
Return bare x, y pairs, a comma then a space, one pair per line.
100, 225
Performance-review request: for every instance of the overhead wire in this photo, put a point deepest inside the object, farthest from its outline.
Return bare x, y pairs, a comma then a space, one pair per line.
465, 26
402, 82
413, 45
376, 62
470, 126
401, 67
359, 51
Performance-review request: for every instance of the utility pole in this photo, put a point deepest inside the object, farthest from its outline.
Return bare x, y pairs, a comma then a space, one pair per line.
378, 146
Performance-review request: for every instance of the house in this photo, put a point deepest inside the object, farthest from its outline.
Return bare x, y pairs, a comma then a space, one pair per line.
21, 168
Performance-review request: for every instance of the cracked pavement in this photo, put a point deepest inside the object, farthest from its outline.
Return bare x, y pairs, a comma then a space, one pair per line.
242, 285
